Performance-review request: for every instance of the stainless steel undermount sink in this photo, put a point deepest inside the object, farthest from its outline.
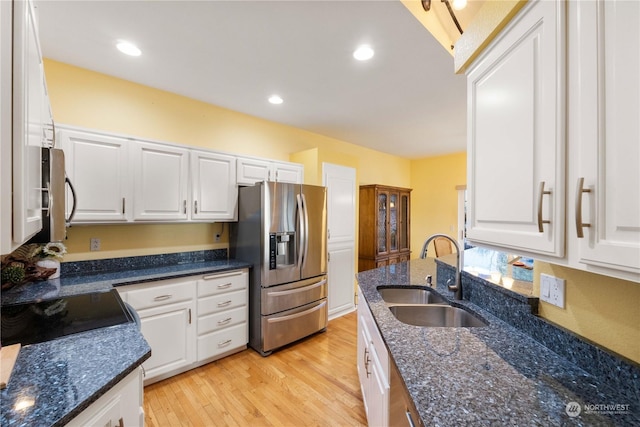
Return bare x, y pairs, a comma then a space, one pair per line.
435, 316
410, 296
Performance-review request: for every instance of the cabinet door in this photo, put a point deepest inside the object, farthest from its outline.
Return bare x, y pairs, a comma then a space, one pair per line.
167, 314
97, 167
161, 175
404, 223
340, 279
604, 125
169, 332
382, 222
286, 172
373, 367
214, 193
516, 135
30, 105
121, 405
251, 171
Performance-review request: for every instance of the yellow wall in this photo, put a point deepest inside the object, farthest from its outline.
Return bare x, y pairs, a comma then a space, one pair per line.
83, 98
603, 309
599, 308
434, 199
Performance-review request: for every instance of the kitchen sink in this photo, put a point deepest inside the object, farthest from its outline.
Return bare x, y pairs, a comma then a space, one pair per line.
410, 296
435, 316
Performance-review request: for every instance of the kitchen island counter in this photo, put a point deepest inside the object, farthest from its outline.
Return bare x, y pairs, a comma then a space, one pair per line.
493, 375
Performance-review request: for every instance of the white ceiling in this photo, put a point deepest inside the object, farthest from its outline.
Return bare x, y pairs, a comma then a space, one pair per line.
406, 101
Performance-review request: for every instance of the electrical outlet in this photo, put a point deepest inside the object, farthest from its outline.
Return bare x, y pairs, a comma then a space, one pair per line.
552, 290
217, 239
95, 244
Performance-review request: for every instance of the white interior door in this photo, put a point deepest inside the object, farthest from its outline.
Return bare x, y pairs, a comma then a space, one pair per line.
341, 210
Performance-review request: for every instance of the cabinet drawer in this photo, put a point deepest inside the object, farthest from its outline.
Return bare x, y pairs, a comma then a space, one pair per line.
213, 284
217, 321
216, 343
159, 294
217, 303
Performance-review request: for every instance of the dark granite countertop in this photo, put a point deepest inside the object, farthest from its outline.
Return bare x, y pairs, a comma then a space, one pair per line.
494, 375
85, 282
64, 376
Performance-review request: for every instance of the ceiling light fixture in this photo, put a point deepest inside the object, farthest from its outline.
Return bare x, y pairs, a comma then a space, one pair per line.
363, 53
459, 4
426, 5
128, 48
276, 99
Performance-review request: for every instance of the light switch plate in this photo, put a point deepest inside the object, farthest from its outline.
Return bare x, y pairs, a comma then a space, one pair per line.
552, 290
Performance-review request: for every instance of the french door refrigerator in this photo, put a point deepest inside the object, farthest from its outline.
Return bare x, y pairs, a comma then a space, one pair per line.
282, 231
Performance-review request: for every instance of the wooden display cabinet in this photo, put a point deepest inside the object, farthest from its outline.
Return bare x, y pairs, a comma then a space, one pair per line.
384, 236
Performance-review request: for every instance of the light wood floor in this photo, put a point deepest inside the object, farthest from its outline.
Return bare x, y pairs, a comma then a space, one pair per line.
312, 383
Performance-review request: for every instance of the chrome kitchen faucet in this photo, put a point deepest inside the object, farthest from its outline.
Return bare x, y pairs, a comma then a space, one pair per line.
457, 286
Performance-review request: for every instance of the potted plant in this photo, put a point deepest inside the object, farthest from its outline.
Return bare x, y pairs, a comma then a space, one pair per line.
49, 256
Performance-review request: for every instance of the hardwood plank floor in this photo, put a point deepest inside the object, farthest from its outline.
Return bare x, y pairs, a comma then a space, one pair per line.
311, 383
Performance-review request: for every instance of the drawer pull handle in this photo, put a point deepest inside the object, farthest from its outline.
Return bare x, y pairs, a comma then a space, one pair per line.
541, 193
219, 276
225, 285
297, 290
224, 303
224, 343
579, 224
366, 362
224, 322
162, 297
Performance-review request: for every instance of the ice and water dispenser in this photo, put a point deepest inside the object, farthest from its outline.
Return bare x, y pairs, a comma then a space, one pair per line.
282, 249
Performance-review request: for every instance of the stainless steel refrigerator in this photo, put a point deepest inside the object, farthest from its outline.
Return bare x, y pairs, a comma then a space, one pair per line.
282, 231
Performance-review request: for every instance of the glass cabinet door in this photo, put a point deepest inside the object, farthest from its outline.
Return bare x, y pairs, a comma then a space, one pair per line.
393, 222
403, 227
382, 223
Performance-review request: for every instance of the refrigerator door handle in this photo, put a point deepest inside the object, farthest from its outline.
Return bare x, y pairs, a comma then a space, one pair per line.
302, 229
306, 230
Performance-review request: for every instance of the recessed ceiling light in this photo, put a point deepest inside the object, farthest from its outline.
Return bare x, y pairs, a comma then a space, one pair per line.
363, 53
128, 48
459, 4
276, 99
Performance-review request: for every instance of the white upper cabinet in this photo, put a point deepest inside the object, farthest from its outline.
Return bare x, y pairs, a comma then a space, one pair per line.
252, 170
213, 186
292, 173
604, 135
97, 166
32, 123
160, 181
516, 141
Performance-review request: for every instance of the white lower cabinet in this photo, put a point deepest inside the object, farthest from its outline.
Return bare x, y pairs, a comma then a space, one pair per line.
373, 367
222, 314
120, 406
190, 321
166, 309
